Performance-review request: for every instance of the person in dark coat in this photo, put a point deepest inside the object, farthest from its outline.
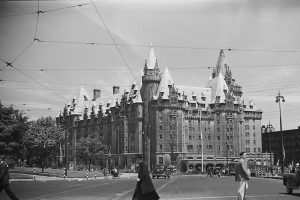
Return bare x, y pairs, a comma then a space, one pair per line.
4, 179
144, 188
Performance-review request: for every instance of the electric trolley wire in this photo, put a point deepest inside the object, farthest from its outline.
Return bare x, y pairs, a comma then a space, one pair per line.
117, 47
49, 11
169, 46
88, 68
37, 20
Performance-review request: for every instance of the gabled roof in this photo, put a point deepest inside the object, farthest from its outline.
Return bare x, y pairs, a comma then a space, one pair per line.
164, 84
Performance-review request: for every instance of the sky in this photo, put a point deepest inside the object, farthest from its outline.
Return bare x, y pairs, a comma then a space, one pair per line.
101, 43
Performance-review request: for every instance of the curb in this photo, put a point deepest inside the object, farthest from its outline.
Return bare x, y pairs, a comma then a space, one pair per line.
52, 178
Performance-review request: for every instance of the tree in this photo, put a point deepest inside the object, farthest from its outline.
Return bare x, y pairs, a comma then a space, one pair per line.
13, 125
42, 140
90, 149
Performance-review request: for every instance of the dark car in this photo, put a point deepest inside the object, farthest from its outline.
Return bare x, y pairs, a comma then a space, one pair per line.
160, 171
291, 181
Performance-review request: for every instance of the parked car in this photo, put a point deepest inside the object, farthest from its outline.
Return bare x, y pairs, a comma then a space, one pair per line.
292, 180
160, 171
171, 169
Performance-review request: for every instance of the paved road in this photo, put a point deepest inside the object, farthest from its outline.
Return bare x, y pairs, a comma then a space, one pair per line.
189, 187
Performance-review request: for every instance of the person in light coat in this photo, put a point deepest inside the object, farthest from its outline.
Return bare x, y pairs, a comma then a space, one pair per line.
242, 175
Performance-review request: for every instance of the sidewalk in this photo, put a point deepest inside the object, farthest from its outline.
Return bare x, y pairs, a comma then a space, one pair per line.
31, 174
90, 178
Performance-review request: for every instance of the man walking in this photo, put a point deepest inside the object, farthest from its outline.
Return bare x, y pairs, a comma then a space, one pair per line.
4, 179
242, 174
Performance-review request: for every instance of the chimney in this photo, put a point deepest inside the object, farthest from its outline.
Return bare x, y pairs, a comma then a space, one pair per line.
116, 89
97, 94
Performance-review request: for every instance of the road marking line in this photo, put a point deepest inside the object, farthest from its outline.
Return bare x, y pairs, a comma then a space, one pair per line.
164, 185
42, 197
225, 197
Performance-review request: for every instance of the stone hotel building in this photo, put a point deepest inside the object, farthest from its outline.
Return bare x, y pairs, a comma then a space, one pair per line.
167, 122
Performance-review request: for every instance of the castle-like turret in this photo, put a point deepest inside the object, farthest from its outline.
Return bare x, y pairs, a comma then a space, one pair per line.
151, 77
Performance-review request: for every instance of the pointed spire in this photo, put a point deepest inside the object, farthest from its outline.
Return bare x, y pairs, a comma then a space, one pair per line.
218, 87
221, 64
164, 83
152, 58
82, 101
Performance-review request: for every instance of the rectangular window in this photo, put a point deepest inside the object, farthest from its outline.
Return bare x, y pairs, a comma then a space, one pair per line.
253, 134
190, 137
247, 150
254, 142
247, 127
190, 148
218, 138
160, 136
247, 141
160, 128
258, 150
160, 147
161, 160
254, 150
247, 134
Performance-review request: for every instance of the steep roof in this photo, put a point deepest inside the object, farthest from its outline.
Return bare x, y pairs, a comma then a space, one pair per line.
199, 92
164, 84
218, 85
83, 101
221, 66
152, 58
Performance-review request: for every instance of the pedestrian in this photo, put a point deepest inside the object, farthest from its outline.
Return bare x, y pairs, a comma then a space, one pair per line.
144, 188
4, 179
242, 174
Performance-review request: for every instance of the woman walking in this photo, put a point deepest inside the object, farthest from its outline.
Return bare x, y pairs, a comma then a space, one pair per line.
144, 188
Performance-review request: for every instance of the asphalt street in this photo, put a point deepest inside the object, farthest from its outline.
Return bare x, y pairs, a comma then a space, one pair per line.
179, 187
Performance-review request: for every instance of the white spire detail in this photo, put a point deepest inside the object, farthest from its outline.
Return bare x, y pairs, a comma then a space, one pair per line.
152, 58
221, 64
163, 85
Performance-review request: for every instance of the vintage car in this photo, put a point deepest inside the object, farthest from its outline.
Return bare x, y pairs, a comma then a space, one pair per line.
292, 181
160, 171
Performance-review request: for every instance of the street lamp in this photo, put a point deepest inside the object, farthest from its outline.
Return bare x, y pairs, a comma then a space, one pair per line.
280, 98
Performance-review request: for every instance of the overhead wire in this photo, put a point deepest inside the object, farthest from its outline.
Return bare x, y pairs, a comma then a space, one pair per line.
49, 11
88, 68
112, 38
65, 83
169, 46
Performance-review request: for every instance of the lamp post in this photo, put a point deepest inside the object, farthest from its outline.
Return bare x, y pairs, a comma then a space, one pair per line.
280, 98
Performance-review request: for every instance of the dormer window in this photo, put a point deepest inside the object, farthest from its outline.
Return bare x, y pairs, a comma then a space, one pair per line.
203, 98
251, 106
161, 93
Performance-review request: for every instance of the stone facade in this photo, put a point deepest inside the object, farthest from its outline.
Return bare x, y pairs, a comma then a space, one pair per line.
167, 122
